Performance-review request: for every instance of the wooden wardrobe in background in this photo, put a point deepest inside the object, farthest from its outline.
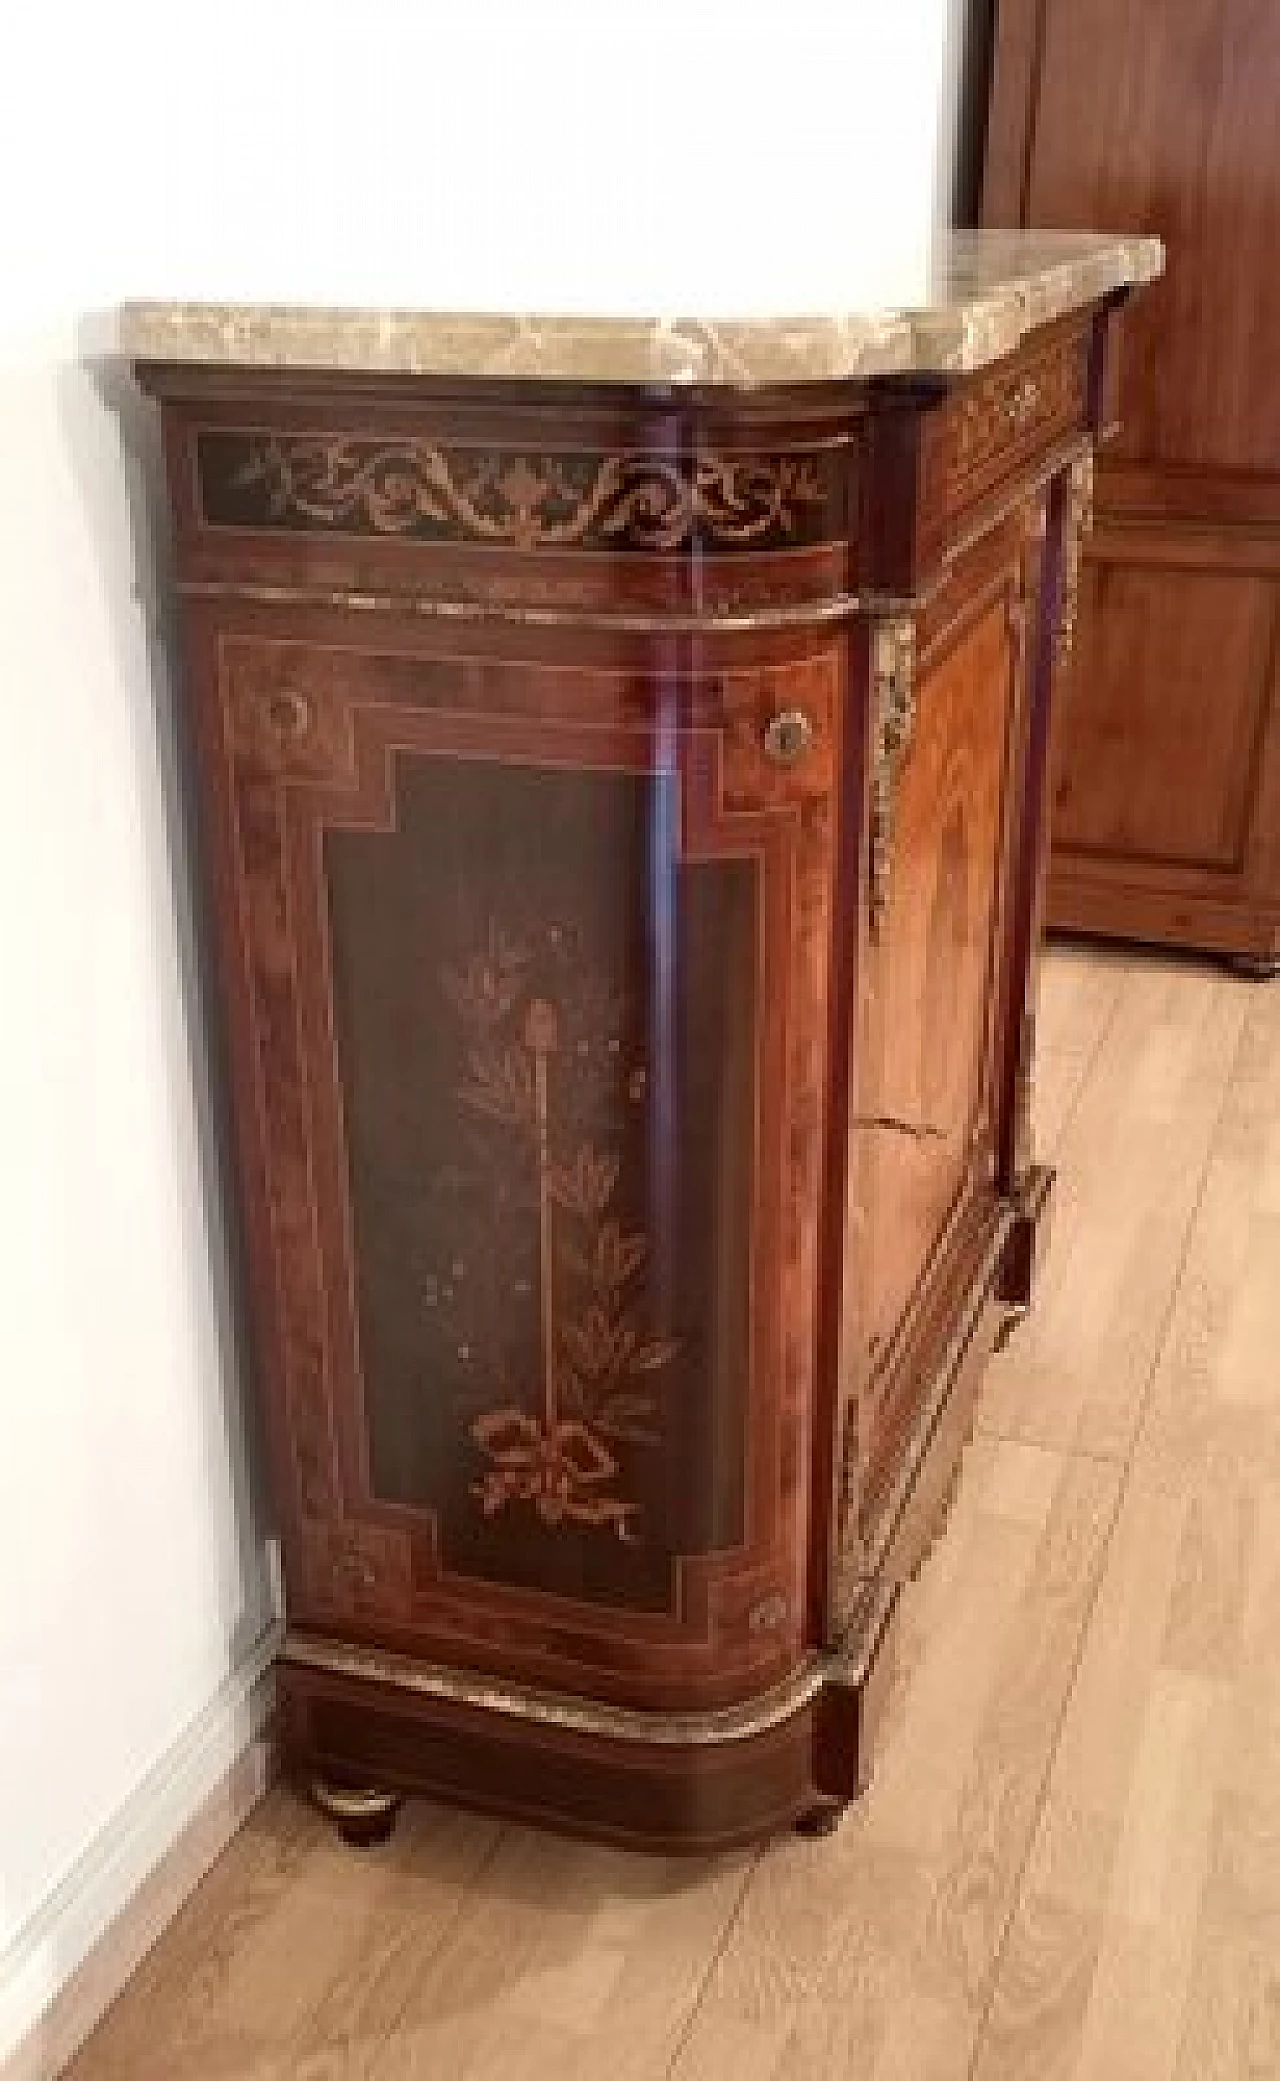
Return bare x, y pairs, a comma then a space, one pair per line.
1166, 816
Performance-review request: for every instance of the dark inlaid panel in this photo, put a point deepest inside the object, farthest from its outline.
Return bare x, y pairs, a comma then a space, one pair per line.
546, 1043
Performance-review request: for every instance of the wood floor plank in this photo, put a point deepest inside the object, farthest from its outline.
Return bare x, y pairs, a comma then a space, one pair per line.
976, 1884
1214, 1413
1233, 2012
1068, 1866
569, 1960
1131, 1164
1146, 1942
191, 1965
288, 1917
903, 1913
1081, 987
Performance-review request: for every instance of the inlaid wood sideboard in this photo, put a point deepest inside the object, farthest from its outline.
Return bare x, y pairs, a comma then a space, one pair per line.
622, 755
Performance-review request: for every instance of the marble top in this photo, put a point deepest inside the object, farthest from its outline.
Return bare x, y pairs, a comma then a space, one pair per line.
982, 293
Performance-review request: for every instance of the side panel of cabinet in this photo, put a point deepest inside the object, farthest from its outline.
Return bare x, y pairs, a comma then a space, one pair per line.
927, 1133
530, 967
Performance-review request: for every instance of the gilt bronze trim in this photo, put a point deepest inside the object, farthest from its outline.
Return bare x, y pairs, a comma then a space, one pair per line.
1077, 522
492, 1694
893, 665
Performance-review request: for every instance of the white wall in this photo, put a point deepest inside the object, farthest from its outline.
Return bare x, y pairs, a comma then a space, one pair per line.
661, 155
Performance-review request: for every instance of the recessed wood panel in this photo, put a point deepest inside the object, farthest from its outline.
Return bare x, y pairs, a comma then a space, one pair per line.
537, 993
549, 1125
934, 964
1161, 719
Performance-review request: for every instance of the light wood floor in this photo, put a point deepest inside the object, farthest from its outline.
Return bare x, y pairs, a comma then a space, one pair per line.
1069, 1862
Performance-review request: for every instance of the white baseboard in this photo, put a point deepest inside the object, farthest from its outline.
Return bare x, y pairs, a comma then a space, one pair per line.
66, 1966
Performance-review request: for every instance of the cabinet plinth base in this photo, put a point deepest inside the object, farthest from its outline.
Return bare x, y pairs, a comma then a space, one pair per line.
791, 1758
362, 1815
692, 1783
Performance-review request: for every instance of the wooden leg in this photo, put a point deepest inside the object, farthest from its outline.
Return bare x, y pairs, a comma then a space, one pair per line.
1032, 1198
823, 1818
362, 1817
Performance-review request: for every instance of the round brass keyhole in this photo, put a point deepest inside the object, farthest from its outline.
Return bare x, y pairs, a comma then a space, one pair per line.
788, 736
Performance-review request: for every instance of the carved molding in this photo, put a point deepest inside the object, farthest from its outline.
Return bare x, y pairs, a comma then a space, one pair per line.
1077, 520
518, 499
510, 1700
893, 664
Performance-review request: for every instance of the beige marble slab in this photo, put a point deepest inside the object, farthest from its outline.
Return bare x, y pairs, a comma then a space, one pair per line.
982, 293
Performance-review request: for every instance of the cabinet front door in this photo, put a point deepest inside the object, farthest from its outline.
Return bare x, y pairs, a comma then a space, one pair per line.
531, 966
927, 1131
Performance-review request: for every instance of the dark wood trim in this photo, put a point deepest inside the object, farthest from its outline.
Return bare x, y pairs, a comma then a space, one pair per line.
1016, 71
1114, 905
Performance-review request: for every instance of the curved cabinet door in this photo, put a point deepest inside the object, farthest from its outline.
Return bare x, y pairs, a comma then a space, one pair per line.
531, 971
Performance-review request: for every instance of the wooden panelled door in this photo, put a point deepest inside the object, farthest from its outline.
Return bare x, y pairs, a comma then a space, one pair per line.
531, 961
929, 1130
1166, 814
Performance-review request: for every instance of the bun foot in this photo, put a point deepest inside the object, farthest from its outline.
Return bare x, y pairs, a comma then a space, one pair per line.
361, 1816
823, 1818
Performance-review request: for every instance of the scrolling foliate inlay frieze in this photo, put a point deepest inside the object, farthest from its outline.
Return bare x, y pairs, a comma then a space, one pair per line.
519, 499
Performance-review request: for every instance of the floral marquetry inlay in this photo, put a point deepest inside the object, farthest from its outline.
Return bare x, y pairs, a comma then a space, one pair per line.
532, 1055
519, 500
